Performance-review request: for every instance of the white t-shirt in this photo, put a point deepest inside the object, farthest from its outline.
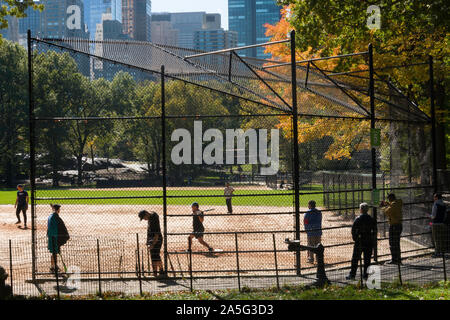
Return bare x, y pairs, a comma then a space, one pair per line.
228, 192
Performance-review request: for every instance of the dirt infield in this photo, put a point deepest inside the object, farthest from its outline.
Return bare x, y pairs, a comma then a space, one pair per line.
116, 227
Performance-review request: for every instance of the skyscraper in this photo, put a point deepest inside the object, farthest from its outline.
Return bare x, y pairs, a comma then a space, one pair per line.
213, 40
247, 18
199, 30
136, 19
94, 9
162, 30
63, 19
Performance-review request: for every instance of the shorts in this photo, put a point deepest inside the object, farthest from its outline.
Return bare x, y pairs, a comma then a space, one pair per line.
198, 234
53, 246
155, 252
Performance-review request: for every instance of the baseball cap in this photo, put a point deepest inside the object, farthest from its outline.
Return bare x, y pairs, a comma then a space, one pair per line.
142, 214
194, 204
55, 206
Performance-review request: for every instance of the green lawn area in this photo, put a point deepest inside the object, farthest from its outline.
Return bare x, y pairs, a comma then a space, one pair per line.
281, 198
436, 291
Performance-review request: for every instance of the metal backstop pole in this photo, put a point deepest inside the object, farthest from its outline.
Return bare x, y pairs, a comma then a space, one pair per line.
164, 164
32, 155
374, 152
433, 125
295, 142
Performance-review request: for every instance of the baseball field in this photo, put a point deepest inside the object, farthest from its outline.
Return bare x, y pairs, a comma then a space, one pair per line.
262, 219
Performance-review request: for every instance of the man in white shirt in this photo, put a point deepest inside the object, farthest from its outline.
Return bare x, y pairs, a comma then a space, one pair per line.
228, 192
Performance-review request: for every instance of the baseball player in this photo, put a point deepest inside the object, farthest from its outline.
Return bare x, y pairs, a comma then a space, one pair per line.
21, 204
199, 229
228, 192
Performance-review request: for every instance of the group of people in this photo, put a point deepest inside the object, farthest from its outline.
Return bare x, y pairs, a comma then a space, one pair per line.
364, 231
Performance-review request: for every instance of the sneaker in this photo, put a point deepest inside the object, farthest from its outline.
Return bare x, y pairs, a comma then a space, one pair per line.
25, 227
18, 222
436, 255
311, 261
350, 277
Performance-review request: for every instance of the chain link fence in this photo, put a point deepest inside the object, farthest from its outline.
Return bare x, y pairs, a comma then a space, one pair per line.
120, 127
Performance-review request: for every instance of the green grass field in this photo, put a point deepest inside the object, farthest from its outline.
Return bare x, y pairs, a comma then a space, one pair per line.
211, 197
181, 197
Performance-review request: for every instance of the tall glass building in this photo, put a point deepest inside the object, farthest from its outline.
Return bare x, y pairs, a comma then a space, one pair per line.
94, 10
247, 18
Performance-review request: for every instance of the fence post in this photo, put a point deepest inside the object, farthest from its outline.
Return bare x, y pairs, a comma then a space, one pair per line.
445, 266
400, 274
433, 125
139, 264
237, 261
164, 162
32, 154
99, 269
374, 153
190, 266
11, 268
276, 260
55, 257
361, 260
295, 142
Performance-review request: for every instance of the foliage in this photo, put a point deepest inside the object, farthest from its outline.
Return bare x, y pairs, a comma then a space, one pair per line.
13, 110
15, 8
410, 31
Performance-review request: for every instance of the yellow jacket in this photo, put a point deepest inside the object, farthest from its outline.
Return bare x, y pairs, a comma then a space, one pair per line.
394, 211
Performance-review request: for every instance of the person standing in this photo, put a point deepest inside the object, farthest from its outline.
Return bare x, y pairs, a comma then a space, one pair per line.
313, 226
439, 229
154, 240
228, 192
363, 234
393, 211
57, 235
21, 205
198, 228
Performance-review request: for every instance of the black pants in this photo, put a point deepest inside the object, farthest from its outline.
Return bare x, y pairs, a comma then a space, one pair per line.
24, 210
394, 241
359, 249
230, 208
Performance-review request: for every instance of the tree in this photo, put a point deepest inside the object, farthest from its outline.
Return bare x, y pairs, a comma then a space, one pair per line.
15, 8
13, 109
56, 88
410, 31
90, 99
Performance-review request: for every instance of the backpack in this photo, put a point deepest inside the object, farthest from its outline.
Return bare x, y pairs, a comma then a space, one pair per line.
63, 234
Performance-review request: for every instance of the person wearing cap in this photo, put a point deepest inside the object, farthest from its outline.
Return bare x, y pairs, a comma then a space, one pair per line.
313, 227
57, 235
21, 205
198, 228
363, 234
154, 240
228, 192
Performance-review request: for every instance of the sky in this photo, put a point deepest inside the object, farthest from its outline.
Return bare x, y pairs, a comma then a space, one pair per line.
210, 6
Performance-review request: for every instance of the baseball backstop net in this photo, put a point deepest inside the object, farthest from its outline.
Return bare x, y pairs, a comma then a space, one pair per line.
119, 127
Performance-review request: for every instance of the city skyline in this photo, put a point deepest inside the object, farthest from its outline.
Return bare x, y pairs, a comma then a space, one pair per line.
175, 6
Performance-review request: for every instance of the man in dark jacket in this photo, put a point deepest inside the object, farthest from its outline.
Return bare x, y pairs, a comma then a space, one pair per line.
439, 229
363, 233
313, 226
